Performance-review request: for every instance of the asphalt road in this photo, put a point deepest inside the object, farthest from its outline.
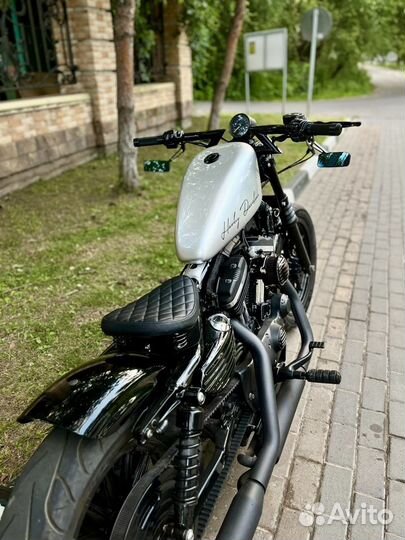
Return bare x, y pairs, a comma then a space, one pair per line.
383, 103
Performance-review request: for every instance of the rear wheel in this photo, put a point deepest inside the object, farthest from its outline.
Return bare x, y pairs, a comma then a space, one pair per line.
303, 282
73, 488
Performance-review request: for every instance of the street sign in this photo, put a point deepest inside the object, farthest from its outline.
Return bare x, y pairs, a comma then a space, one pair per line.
316, 24
266, 51
324, 24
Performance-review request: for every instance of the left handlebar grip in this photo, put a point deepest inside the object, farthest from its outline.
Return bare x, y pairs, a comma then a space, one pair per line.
330, 128
148, 141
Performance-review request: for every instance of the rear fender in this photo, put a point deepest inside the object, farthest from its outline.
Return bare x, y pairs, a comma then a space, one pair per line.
97, 397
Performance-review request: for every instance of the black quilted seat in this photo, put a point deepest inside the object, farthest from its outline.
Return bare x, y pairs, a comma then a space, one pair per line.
171, 308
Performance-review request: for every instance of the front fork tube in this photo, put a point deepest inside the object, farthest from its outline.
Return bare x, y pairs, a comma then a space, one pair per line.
288, 217
187, 465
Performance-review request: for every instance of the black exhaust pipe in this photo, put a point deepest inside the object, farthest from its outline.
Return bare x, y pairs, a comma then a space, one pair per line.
246, 508
244, 514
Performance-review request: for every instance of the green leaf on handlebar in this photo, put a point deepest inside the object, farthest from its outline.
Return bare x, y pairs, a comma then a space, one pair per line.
333, 159
156, 166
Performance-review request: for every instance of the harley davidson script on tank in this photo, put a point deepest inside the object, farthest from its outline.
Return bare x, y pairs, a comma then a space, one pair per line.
218, 198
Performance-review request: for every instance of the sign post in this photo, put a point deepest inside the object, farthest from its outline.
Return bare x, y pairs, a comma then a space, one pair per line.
266, 51
312, 59
316, 24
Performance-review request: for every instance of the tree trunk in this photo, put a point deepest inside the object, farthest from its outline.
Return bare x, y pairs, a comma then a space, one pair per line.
124, 23
227, 68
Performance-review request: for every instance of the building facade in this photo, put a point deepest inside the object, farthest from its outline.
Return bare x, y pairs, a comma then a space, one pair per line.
58, 85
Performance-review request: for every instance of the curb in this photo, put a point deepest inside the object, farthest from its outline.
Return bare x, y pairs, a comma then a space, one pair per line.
306, 173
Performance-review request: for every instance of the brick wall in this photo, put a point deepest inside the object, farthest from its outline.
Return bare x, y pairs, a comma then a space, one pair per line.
41, 137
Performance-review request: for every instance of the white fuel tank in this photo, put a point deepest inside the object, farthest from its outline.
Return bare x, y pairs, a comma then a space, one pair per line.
221, 192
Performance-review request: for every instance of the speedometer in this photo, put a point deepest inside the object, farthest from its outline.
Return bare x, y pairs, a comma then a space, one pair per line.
239, 125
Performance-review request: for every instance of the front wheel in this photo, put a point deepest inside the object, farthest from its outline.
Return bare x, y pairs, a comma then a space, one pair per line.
73, 488
303, 282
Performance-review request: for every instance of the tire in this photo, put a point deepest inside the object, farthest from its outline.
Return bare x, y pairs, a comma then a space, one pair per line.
307, 281
53, 493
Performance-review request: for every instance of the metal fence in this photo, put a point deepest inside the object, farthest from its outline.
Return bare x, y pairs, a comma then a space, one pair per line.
35, 48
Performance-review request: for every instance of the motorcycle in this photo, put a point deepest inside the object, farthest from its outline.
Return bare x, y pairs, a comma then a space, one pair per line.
197, 371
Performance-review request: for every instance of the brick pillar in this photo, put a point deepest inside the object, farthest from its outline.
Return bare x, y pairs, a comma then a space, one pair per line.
178, 60
93, 49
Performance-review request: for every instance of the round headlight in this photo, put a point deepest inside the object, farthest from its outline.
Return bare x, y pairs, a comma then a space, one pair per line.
239, 125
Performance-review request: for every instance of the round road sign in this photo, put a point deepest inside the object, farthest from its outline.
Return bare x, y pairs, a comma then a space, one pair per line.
324, 24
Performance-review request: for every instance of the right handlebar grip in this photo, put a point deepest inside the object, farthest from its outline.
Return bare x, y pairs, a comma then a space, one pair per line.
148, 141
330, 128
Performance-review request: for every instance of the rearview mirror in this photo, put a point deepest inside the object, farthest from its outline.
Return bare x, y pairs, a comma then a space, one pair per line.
157, 166
333, 159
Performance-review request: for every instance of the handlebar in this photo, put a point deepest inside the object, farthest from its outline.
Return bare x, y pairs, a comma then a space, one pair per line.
296, 127
172, 139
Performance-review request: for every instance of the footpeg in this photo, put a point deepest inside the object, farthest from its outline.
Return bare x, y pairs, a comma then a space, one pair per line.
325, 376
316, 345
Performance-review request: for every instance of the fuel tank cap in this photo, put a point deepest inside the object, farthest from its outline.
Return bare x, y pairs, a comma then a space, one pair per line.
211, 158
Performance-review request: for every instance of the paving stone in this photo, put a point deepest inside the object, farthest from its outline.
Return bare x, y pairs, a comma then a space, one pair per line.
302, 488
356, 330
397, 301
396, 498
376, 366
373, 394
397, 360
370, 472
345, 407
354, 351
339, 310
397, 338
273, 503
396, 468
378, 305
319, 403
378, 322
361, 296
359, 312
324, 299
397, 286
262, 534
351, 377
336, 328
319, 314
362, 282
377, 343
312, 441
290, 527
397, 419
336, 487
342, 445
332, 350
346, 280
397, 386
397, 317
343, 294
372, 429
366, 525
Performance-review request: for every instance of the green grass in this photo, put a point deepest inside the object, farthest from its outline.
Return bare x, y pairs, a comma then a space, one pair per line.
72, 249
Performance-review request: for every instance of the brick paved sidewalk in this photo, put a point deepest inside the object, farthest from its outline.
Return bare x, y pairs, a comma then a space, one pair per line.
347, 444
